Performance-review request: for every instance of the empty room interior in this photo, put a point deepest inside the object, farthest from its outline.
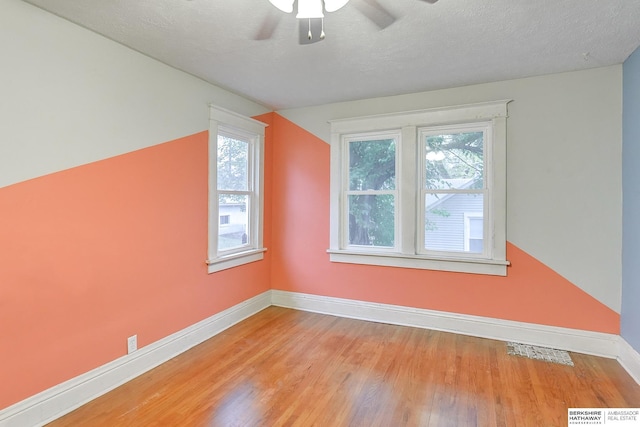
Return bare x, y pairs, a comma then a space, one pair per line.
244, 213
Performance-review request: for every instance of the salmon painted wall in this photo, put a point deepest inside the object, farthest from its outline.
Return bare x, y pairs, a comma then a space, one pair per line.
97, 253
531, 292
103, 202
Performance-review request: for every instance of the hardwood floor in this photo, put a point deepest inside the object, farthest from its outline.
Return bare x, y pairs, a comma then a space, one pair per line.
284, 367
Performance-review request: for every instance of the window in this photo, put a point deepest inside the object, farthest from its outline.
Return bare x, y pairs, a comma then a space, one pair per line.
423, 189
452, 184
371, 194
235, 189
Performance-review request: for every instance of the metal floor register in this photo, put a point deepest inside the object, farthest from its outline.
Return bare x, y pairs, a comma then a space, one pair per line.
539, 353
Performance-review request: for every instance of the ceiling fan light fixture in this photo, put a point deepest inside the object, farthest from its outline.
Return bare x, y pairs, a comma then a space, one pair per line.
284, 5
333, 5
309, 9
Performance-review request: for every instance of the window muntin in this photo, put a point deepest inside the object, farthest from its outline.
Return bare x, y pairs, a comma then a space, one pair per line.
481, 183
236, 157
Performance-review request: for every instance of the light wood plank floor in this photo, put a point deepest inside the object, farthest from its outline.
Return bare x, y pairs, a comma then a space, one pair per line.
284, 367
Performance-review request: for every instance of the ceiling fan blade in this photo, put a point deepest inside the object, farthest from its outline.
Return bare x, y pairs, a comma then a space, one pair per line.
311, 26
375, 12
269, 25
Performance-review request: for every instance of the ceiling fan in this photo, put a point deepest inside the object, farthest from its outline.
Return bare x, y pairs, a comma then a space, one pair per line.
311, 18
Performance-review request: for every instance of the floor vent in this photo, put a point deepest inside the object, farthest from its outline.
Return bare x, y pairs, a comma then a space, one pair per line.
539, 353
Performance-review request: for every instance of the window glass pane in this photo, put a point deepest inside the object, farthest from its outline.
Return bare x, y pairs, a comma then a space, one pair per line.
445, 221
233, 164
475, 228
371, 220
454, 160
475, 234
372, 165
475, 246
234, 233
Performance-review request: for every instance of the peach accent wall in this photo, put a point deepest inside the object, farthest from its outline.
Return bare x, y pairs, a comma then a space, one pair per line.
531, 292
92, 255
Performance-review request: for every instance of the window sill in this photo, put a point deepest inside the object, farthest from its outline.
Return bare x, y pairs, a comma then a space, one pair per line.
235, 260
458, 265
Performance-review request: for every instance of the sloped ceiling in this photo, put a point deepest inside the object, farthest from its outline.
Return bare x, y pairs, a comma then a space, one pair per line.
429, 46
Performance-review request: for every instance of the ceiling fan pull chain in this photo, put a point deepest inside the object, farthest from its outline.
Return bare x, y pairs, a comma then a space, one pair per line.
322, 32
309, 34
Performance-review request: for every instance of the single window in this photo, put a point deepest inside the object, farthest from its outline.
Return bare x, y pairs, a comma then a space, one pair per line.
371, 194
453, 183
235, 189
421, 189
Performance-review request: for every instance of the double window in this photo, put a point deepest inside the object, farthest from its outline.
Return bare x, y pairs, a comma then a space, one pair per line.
236, 158
422, 189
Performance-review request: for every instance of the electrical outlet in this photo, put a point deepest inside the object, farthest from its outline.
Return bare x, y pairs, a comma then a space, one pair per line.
132, 344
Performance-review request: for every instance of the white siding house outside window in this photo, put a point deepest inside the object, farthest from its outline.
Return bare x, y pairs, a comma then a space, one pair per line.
236, 157
422, 189
473, 232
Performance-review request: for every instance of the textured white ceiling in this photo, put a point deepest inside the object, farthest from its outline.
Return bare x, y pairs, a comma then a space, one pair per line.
430, 46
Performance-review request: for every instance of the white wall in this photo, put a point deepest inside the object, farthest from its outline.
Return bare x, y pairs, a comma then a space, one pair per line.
58, 110
564, 188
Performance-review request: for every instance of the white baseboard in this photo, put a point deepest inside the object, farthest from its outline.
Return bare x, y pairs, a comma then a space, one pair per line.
63, 398
595, 343
50, 404
629, 358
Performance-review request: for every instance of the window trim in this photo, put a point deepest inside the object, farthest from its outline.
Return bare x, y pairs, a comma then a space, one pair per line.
228, 122
397, 136
487, 191
409, 123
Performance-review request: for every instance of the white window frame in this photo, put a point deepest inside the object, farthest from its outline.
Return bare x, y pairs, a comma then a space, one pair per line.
345, 220
408, 253
225, 122
486, 191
